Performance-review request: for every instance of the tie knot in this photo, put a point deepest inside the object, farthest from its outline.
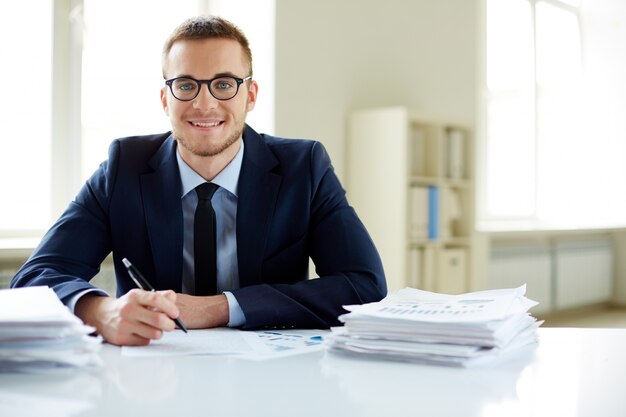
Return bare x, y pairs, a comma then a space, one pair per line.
205, 191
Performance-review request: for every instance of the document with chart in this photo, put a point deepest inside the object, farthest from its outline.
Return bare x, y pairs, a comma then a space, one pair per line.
255, 345
422, 326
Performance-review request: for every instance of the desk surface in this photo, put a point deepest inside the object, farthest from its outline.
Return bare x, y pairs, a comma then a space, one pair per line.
572, 372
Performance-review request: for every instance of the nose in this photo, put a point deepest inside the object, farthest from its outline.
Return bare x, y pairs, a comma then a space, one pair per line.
205, 100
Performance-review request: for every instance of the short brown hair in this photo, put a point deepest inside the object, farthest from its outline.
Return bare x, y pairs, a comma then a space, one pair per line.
207, 27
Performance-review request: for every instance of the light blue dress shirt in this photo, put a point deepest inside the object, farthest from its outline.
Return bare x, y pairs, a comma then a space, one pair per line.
224, 204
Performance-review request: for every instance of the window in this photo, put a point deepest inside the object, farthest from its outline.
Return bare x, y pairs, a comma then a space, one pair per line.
25, 111
64, 99
112, 60
552, 137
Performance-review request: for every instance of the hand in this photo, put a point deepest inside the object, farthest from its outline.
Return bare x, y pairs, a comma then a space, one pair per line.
203, 312
133, 319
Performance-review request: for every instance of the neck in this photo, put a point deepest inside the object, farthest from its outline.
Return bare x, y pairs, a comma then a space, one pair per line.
208, 167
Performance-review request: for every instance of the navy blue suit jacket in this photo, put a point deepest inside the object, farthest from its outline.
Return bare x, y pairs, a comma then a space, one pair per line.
291, 206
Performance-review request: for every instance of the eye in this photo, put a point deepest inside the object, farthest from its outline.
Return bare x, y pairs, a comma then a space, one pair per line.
185, 85
224, 84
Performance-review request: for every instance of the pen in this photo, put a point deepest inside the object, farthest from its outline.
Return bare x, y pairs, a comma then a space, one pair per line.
143, 284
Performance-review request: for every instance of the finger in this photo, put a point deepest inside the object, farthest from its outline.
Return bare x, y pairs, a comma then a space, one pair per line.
134, 312
139, 332
169, 294
157, 301
131, 340
146, 316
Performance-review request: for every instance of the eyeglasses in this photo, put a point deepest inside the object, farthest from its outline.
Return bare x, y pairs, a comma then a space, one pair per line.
222, 88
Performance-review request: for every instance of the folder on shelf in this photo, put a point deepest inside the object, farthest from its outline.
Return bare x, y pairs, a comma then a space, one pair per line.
418, 217
456, 162
450, 212
416, 267
429, 269
451, 271
418, 152
433, 212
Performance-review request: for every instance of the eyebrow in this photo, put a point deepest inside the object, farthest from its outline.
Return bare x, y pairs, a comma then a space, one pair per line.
221, 74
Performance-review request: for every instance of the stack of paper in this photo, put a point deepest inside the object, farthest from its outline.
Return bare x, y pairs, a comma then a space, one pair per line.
39, 334
419, 326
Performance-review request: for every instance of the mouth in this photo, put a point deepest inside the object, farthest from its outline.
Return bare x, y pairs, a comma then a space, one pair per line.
205, 124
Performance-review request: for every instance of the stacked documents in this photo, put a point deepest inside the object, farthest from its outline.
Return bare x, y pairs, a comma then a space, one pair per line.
39, 334
424, 327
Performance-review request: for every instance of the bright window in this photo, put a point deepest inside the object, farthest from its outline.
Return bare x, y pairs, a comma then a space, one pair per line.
85, 72
130, 55
552, 137
25, 112
121, 71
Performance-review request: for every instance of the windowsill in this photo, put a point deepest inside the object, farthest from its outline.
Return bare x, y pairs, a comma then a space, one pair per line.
17, 248
513, 228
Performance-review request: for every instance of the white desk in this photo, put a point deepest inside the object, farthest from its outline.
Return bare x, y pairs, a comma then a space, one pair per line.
573, 372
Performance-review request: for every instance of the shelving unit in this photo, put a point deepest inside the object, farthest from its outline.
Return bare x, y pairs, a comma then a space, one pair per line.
410, 178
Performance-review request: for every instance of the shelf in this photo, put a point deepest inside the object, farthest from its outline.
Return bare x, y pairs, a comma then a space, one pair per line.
441, 182
422, 216
448, 242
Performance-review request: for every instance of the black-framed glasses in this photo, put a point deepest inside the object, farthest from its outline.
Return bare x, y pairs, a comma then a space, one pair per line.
222, 88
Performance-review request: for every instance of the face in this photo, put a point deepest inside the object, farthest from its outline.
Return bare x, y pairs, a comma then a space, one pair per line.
206, 126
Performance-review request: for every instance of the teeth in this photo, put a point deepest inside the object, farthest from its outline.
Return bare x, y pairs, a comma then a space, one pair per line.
200, 124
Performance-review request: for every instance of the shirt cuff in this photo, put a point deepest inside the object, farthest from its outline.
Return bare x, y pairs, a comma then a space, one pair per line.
236, 317
72, 301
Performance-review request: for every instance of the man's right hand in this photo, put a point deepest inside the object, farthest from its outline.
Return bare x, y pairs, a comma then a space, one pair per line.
131, 320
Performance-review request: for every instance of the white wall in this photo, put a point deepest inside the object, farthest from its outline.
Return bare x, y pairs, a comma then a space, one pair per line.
333, 56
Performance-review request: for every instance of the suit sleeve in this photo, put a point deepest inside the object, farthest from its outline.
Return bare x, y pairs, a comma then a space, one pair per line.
71, 252
346, 260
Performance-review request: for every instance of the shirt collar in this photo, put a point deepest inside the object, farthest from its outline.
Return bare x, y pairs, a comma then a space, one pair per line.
228, 178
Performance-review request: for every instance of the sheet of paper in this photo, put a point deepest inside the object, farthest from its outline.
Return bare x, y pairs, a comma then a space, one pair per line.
423, 327
218, 341
417, 305
255, 345
33, 305
279, 343
39, 334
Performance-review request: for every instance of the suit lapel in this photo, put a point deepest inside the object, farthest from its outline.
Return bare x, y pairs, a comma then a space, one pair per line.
161, 191
258, 191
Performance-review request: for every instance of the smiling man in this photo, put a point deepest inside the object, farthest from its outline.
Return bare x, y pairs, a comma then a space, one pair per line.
220, 219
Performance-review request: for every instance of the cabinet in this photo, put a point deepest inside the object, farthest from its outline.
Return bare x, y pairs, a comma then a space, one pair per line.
410, 178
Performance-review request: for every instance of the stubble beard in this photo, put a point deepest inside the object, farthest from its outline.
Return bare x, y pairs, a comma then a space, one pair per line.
199, 150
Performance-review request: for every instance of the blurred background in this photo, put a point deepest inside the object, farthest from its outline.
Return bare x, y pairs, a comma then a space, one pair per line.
527, 96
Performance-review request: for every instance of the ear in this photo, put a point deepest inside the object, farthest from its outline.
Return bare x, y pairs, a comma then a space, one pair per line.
164, 100
253, 90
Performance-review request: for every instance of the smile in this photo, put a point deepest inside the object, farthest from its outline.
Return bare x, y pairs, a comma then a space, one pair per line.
206, 124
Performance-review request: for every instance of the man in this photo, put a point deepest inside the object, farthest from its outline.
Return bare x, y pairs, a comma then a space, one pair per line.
278, 203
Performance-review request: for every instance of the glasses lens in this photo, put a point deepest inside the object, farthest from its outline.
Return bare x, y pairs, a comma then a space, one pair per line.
224, 88
185, 88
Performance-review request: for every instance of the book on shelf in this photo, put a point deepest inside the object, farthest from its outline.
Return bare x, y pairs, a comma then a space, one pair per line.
418, 219
451, 270
418, 152
433, 212
416, 267
429, 269
455, 161
450, 212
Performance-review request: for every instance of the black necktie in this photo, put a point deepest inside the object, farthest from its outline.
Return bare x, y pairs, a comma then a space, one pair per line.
204, 245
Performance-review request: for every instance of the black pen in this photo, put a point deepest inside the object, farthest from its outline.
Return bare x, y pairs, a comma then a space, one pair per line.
143, 284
